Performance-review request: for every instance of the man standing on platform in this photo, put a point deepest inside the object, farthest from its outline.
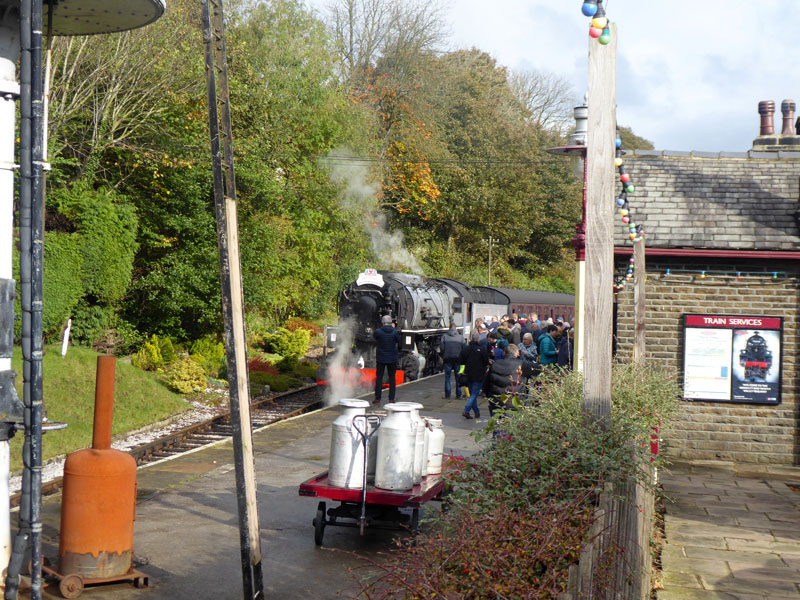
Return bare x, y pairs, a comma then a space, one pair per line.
451, 346
387, 353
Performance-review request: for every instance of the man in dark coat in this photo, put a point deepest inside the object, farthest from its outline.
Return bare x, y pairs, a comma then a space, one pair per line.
505, 377
387, 353
451, 346
564, 349
475, 360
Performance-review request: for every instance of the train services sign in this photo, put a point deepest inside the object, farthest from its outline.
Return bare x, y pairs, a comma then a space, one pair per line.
732, 358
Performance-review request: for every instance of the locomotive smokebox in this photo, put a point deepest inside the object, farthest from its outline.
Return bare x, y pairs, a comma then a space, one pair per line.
99, 498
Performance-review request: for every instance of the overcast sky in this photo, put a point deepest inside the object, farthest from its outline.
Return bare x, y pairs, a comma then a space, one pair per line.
691, 72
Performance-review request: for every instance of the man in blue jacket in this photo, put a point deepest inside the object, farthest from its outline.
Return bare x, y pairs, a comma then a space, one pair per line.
451, 345
387, 353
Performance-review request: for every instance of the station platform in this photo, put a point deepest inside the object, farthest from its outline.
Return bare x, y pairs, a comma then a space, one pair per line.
186, 534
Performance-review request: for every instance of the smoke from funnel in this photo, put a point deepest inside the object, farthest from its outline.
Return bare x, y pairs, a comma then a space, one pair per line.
360, 196
340, 385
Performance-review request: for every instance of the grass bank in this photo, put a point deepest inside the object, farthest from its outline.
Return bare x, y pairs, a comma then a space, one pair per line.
68, 392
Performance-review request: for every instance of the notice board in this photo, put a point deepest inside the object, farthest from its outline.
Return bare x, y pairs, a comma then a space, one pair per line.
732, 358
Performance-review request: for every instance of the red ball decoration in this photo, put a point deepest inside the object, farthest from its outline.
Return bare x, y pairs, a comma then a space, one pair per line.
595, 33
625, 177
626, 220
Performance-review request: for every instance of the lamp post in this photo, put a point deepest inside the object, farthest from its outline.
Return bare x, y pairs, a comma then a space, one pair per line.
576, 151
491, 242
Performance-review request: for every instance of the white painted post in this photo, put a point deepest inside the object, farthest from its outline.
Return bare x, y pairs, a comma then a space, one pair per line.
65, 341
9, 93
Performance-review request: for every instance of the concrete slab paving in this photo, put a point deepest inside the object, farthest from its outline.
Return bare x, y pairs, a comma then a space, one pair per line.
742, 546
186, 532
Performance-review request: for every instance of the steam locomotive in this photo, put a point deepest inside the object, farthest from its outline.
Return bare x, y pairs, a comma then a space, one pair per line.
422, 310
756, 358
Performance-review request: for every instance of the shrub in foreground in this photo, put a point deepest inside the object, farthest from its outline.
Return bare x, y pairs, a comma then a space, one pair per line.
521, 507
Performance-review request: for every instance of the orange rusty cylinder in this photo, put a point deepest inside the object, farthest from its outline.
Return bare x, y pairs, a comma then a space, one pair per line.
98, 504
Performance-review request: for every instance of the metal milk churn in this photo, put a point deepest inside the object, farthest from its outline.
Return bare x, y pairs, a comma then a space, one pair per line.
372, 447
394, 468
435, 445
420, 455
346, 469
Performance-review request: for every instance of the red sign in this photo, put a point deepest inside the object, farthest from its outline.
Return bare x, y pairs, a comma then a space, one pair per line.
732, 322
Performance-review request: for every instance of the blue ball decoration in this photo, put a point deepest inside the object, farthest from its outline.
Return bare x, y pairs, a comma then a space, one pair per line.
620, 201
589, 9
619, 143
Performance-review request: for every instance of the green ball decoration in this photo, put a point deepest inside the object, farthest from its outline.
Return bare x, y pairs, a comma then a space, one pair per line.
630, 189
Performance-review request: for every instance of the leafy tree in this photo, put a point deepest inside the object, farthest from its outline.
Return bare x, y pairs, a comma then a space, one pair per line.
631, 141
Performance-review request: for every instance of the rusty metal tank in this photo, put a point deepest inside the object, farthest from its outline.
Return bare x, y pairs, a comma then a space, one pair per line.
98, 504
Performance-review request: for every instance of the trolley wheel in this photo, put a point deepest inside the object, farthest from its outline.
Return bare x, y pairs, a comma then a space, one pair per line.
140, 582
319, 524
71, 586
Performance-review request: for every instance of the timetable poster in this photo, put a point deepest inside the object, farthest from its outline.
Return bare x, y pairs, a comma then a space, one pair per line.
732, 359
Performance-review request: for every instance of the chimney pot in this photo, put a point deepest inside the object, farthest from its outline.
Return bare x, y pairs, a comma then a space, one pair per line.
767, 109
787, 108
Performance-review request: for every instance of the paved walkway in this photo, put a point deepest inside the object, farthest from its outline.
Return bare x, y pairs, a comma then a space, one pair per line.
733, 532
186, 533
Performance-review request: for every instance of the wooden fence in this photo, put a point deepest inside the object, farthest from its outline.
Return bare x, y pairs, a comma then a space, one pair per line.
615, 561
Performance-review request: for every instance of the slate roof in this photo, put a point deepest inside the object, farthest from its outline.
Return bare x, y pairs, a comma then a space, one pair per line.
726, 200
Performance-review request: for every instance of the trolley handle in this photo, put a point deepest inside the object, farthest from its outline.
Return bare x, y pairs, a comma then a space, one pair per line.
365, 437
367, 419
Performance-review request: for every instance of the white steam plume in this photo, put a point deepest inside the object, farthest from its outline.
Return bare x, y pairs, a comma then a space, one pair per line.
360, 196
339, 385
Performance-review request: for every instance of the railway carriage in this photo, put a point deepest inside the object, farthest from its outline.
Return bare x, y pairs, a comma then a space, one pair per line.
422, 309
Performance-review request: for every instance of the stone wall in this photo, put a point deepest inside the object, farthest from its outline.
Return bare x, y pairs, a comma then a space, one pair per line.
717, 431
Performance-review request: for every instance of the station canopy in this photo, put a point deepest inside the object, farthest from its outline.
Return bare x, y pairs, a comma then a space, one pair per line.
84, 17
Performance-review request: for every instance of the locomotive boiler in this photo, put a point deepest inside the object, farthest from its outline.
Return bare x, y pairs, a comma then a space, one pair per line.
422, 309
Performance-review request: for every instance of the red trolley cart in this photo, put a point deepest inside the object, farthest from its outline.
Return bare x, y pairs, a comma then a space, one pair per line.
378, 509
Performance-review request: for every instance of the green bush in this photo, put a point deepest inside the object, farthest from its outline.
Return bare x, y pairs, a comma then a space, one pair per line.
168, 354
149, 358
63, 264
277, 383
288, 364
520, 508
90, 322
306, 368
210, 355
107, 225
185, 376
289, 344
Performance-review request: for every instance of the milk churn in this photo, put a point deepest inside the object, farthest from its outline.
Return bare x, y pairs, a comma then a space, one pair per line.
394, 468
346, 468
372, 448
435, 445
419, 449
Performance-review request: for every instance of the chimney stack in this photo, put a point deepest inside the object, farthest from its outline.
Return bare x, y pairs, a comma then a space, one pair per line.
766, 109
787, 108
767, 140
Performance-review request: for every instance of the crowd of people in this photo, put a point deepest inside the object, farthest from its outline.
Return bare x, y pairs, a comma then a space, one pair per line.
502, 356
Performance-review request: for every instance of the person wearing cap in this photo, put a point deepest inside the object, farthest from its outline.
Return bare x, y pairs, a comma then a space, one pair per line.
387, 353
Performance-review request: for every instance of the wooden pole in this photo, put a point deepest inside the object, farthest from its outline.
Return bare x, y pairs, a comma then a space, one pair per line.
232, 298
600, 150
639, 277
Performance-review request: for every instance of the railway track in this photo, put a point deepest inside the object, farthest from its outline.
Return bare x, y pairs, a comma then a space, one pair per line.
263, 412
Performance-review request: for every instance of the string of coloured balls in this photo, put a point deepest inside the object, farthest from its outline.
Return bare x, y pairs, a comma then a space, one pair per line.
634, 230
599, 29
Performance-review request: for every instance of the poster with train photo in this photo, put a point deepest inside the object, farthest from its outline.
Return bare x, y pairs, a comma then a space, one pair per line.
732, 358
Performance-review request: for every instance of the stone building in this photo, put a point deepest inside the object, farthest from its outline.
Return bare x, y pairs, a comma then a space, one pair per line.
722, 238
